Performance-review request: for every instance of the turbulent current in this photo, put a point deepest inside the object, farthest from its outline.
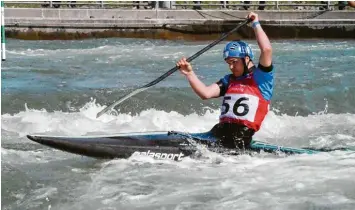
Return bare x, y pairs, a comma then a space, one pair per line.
57, 88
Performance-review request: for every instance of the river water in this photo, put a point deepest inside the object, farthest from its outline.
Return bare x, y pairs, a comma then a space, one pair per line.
57, 87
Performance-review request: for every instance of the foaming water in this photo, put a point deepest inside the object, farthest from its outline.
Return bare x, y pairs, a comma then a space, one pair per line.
211, 181
84, 122
276, 128
230, 183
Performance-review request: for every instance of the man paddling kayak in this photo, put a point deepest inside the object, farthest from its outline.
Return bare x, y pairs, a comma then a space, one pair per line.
246, 92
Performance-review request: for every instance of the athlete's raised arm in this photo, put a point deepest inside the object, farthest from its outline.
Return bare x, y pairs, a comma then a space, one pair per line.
263, 41
205, 92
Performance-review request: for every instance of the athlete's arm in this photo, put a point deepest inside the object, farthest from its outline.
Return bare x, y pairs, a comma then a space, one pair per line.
205, 92
263, 42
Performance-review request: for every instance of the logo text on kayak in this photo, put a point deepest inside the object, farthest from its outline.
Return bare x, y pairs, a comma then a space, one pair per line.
158, 155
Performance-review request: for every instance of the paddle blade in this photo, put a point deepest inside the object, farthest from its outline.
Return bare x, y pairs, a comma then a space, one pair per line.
120, 101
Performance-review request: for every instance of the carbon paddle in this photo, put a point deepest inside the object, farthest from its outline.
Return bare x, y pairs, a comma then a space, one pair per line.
168, 73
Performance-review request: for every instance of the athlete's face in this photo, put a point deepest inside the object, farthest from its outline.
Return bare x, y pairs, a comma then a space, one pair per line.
236, 65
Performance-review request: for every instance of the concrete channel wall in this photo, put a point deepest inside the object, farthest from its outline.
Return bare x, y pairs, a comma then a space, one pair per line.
46, 23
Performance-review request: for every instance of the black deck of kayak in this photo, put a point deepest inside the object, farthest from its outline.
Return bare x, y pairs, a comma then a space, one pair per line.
165, 145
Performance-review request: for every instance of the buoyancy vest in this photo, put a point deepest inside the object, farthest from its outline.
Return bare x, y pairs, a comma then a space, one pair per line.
243, 103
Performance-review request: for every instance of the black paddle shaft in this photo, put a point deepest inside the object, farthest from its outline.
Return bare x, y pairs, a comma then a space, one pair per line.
168, 73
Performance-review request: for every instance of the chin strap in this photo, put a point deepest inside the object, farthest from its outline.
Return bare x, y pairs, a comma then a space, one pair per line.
246, 69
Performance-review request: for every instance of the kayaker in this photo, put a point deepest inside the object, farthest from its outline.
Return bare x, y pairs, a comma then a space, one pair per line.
246, 92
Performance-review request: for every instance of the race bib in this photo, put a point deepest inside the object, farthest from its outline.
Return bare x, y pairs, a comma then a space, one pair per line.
240, 106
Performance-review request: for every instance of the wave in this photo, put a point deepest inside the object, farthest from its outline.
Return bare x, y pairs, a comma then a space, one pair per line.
102, 47
320, 129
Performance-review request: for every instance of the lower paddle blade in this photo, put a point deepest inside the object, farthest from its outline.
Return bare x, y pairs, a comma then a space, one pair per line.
120, 101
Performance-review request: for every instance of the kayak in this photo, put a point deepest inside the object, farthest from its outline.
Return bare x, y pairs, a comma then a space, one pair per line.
161, 145
171, 145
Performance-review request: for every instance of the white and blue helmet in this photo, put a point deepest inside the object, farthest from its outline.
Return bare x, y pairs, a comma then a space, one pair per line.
237, 49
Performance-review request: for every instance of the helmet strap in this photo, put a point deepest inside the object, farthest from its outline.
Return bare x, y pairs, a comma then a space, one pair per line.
246, 69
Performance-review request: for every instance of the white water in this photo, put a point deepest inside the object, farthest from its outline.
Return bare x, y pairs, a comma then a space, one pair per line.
58, 180
275, 127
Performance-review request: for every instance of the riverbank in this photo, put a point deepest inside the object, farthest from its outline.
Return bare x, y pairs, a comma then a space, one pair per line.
46, 23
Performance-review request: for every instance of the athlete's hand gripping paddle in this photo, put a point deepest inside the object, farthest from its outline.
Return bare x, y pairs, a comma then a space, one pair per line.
168, 73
